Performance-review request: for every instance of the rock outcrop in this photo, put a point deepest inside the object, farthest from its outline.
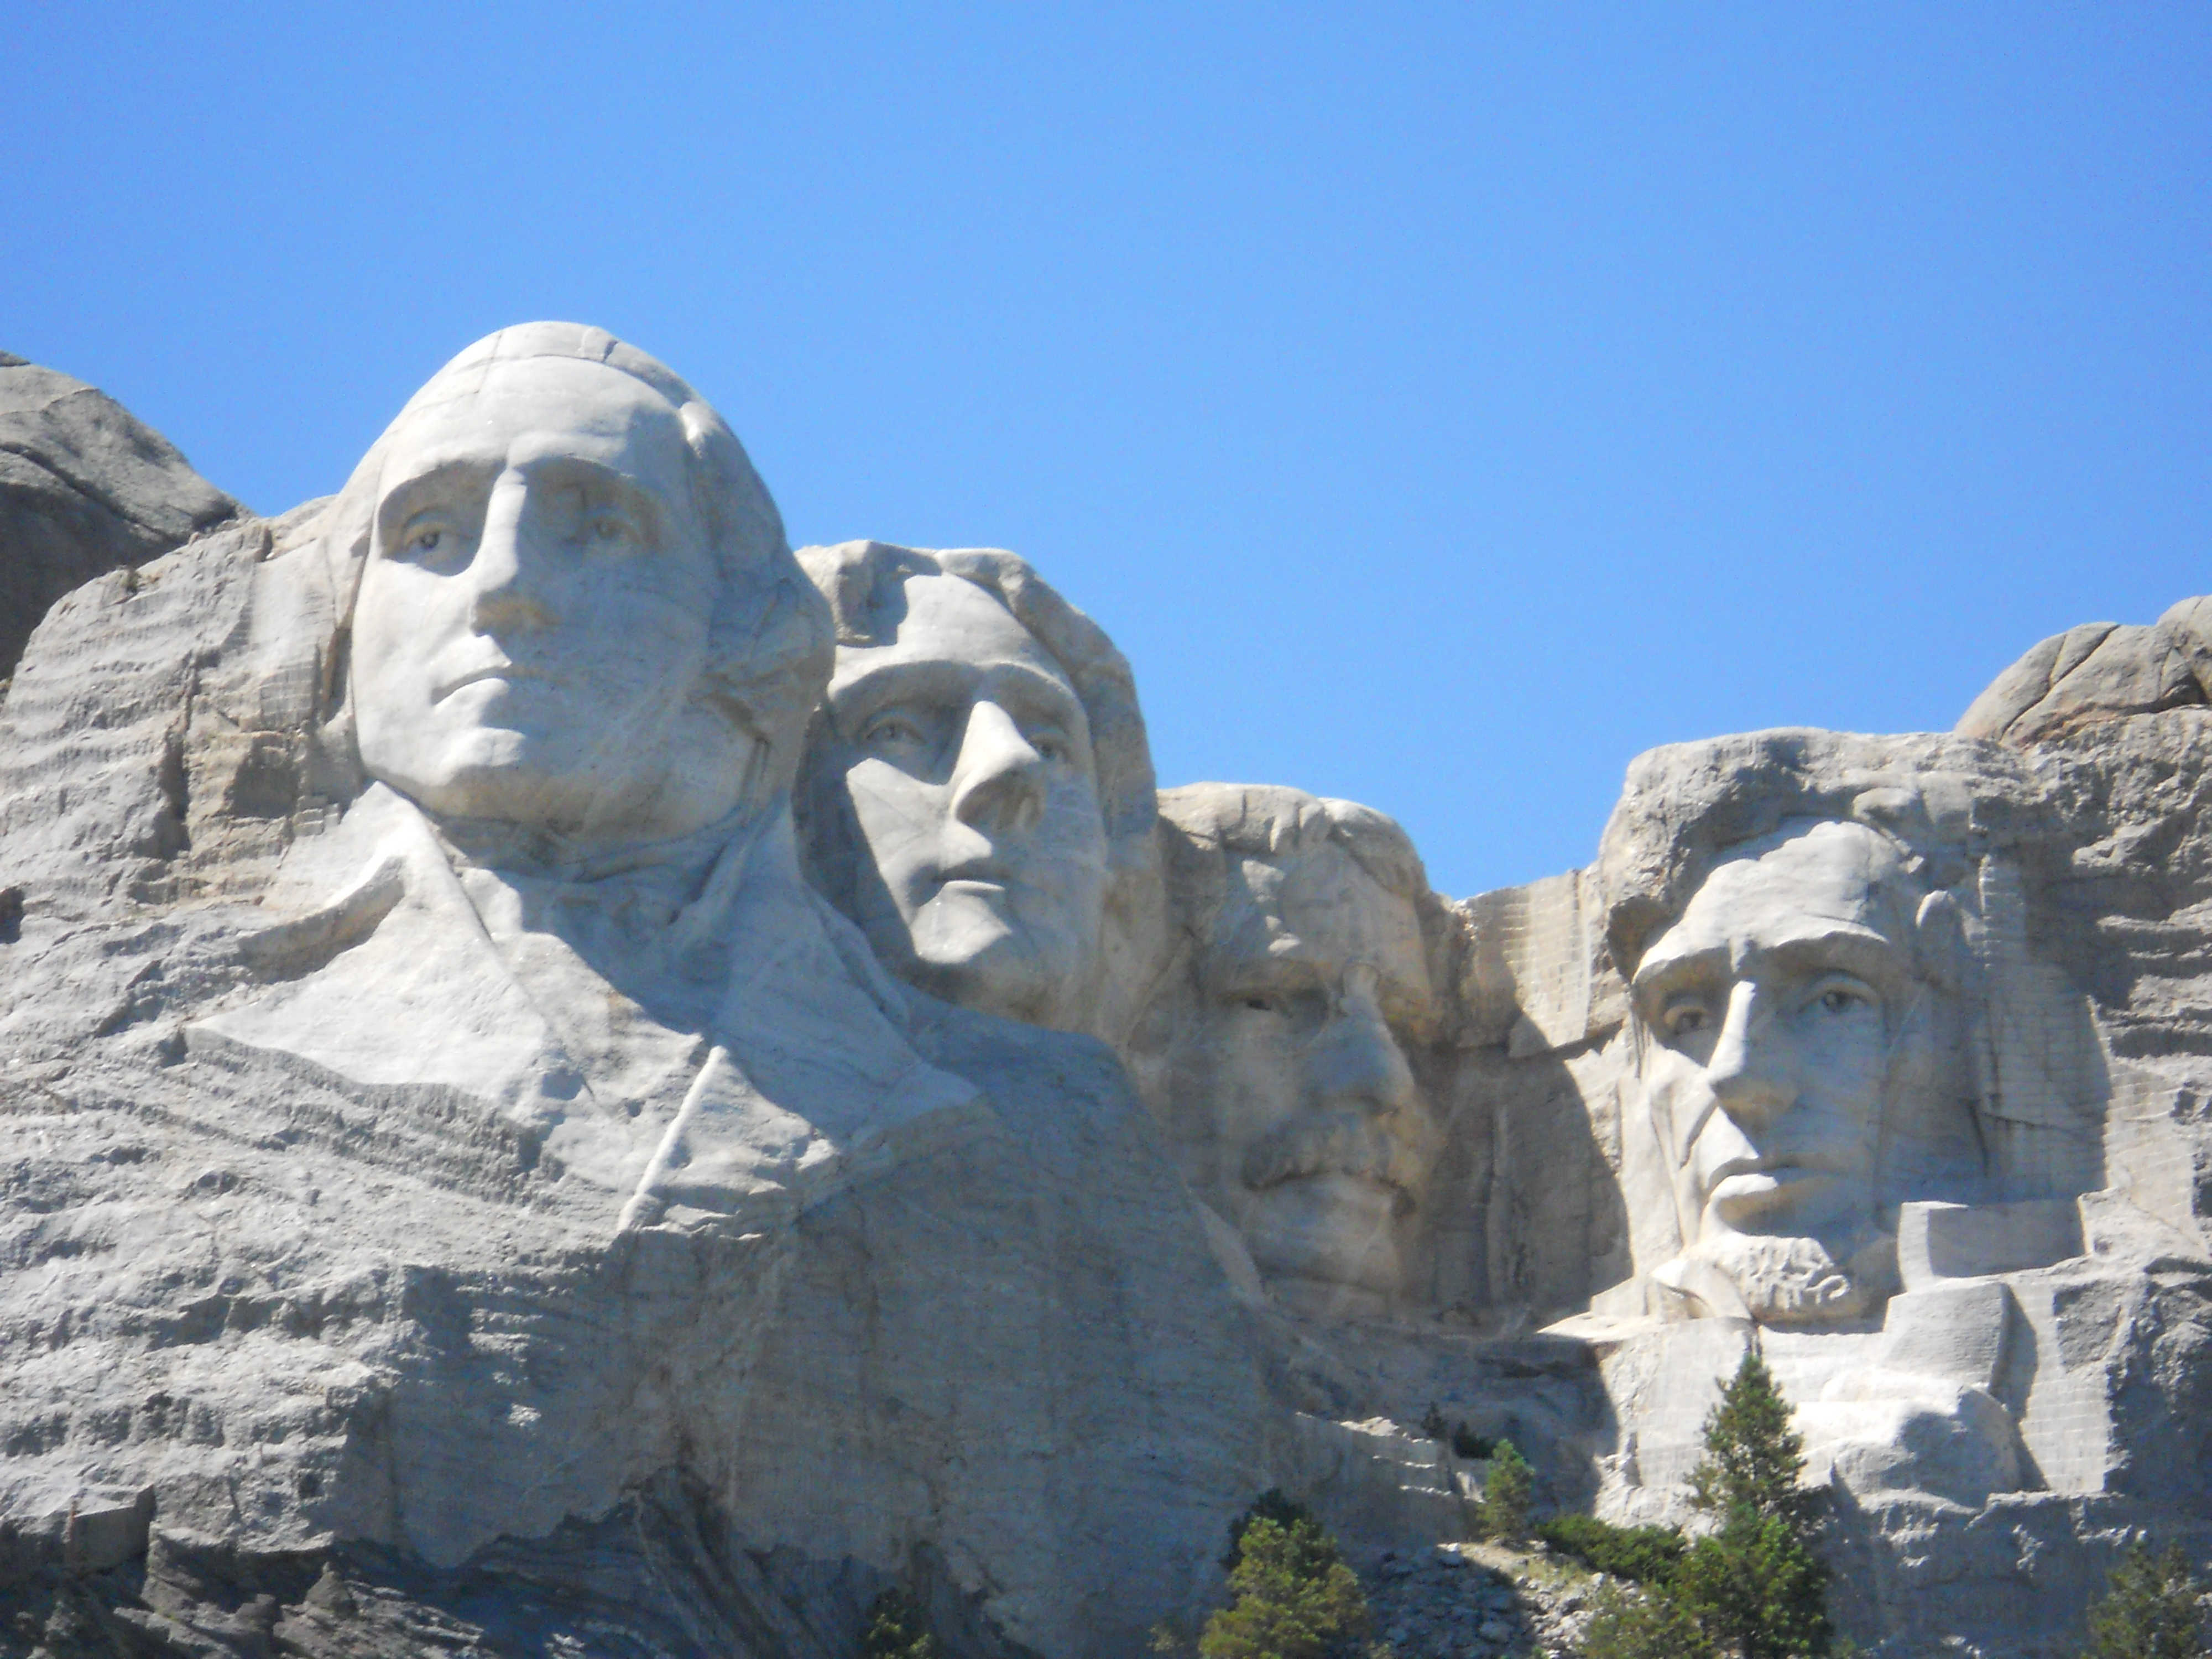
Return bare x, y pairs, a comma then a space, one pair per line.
574, 1081
85, 488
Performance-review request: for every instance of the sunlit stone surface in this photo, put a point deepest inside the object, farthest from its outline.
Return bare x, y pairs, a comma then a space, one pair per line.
577, 1081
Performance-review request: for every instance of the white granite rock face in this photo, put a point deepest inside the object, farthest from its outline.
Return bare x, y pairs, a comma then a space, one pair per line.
84, 488
438, 1109
552, 1097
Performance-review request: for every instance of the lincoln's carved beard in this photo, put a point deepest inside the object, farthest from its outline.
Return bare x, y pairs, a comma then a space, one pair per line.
1797, 1281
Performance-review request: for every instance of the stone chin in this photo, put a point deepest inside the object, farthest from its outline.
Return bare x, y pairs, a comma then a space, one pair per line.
970, 946
1325, 1242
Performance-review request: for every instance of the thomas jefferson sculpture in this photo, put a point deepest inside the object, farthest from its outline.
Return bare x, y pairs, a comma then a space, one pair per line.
977, 792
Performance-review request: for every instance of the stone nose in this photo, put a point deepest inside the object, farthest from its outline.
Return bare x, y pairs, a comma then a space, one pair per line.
1750, 1074
505, 575
1354, 1063
998, 779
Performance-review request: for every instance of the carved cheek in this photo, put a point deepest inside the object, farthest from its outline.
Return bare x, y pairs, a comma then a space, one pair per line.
901, 820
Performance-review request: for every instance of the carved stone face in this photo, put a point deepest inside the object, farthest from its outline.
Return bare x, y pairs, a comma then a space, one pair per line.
965, 758
1779, 1013
1313, 1131
531, 637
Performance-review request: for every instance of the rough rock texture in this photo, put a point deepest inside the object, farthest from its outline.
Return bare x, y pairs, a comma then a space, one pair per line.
2099, 672
84, 488
1475, 1601
353, 1213
268, 1306
428, 1228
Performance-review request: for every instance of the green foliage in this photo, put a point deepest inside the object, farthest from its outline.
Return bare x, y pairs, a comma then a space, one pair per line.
1752, 1456
1756, 1589
1465, 1442
1270, 1505
1752, 1588
1629, 1626
1649, 1555
1507, 1494
2149, 1609
1295, 1598
897, 1629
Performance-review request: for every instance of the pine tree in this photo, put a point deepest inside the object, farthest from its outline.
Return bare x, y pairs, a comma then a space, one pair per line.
1295, 1598
1506, 1494
1754, 1585
1653, 1626
1752, 1456
1756, 1589
2149, 1610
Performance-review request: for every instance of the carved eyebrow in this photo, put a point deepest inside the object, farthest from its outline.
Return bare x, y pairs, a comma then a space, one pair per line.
894, 682
639, 495
890, 682
1857, 951
1043, 692
1241, 973
406, 495
1844, 946
1656, 976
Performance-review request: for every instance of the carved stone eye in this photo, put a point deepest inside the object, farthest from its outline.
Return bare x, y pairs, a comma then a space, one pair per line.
892, 729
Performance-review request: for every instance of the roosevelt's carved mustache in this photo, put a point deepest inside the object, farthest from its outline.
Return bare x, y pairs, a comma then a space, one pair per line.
1334, 1142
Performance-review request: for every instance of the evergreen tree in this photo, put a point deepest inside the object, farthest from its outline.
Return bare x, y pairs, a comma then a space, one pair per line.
1269, 1505
1506, 1494
1654, 1625
1751, 1588
1752, 1456
1295, 1598
897, 1629
1754, 1585
2149, 1610
1756, 1590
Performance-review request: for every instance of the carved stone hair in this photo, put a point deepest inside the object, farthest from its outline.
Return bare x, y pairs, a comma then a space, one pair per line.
770, 649
1267, 821
1946, 802
1207, 826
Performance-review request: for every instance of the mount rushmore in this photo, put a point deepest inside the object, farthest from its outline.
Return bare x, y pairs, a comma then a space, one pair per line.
576, 1079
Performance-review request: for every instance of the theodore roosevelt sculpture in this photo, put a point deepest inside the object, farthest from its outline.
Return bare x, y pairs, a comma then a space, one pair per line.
1279, 1051
977, 790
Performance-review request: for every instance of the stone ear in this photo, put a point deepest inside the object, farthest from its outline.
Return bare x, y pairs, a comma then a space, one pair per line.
1939, 943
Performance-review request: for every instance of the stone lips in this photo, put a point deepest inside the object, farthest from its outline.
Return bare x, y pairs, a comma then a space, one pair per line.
441, 1217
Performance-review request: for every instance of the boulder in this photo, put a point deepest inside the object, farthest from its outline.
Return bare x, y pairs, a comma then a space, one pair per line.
85, 488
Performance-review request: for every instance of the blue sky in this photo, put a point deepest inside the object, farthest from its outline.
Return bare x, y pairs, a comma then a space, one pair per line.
1439, 403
